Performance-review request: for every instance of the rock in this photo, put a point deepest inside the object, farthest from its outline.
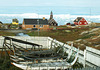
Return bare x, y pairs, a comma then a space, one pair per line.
78, 40
89, 43
94, 29
67, 30
69, 42
91, 31
97, 46
84, 41
85, 32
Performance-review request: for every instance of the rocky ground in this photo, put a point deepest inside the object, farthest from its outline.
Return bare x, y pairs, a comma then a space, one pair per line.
89, 38
80, 37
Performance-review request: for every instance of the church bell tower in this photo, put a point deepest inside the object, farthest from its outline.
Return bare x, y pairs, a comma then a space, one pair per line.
51, 15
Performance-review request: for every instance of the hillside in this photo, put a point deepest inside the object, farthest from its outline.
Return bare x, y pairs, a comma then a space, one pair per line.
80, 37
89, 38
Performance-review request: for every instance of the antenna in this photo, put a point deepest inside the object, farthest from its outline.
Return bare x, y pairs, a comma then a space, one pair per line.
38, 22
90, 14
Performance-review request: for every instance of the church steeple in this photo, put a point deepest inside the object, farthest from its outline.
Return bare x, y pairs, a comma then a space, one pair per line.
51, 21
51, 15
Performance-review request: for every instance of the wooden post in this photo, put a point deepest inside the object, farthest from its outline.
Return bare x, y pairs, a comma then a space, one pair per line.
51, 44
26, 44
39, 48
63, 49
13, 49
84, 58
10, 45
31, 67
5, 52
3, 47
63, 67
32, 47
55, 68
39, 67
47, 68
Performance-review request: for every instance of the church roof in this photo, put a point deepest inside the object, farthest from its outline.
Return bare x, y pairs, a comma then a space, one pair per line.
15, 20
52, 21
1, 22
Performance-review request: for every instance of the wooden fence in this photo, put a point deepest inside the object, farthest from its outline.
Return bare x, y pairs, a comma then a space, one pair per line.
89, 56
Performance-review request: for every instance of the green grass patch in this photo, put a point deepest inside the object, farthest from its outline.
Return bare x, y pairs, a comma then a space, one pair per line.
5, 64
87, 36
4, 33
60, 35
13, 26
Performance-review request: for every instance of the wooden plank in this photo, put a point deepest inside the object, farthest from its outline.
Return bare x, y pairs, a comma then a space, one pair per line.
42, 58
16, 57
20, 47
42, 52
9, 48
15, 60
20, 41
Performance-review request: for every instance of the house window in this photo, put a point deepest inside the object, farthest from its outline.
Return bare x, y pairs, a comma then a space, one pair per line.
76, 19
23, 25
33, 25
52, 24
55, 24
41, 25
85, 23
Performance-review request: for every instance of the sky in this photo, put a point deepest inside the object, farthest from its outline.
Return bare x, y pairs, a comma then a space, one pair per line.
62, 9
75, 3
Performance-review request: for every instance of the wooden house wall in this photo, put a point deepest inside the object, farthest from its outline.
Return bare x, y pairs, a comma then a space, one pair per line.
45, 27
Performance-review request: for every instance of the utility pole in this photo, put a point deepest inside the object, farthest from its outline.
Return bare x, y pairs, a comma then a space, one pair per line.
38, 24
90, 18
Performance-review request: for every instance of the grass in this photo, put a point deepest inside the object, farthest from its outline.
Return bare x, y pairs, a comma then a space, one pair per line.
87, 36
13, 26
5, 64
3, 33
60, 35
63, 26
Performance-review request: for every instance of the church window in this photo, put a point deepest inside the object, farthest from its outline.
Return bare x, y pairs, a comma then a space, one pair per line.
33, 25
41, 25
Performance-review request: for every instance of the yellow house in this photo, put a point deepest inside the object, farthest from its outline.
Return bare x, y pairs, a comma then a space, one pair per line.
15, 21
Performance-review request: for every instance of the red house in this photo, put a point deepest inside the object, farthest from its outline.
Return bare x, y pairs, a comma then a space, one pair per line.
68, 24
80, 21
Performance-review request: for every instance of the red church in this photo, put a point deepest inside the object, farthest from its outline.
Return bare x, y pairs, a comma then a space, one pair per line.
80, 21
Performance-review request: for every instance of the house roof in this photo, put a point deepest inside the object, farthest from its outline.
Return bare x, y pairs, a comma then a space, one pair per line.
1, 22
72, 24
15, 20
35, 21
78, 19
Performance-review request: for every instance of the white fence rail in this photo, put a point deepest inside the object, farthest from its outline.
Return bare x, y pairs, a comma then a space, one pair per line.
89, 56
38, 40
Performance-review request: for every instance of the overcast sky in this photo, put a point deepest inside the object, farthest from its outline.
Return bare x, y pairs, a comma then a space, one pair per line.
75, 3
